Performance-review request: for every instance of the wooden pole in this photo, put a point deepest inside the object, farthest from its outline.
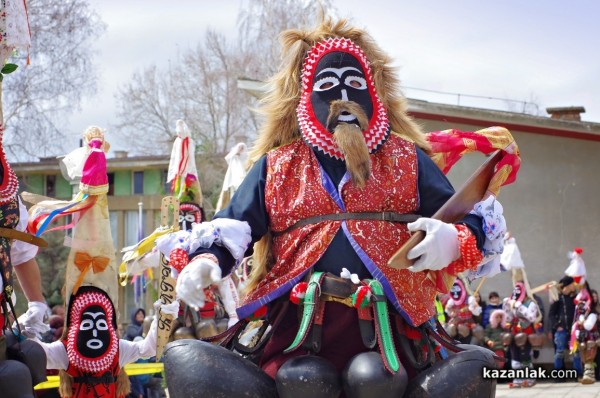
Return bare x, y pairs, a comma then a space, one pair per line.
459, 205
166, 283
479, 286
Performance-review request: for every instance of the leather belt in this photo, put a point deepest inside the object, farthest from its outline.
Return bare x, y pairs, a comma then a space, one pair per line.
337, 289
389, 216
325, 287
11, 233
106, 378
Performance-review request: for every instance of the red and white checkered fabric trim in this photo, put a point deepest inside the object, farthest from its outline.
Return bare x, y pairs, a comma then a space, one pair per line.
312, 130
103, 362
10, 183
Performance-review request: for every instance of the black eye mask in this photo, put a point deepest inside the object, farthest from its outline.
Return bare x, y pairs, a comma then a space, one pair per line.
339, 76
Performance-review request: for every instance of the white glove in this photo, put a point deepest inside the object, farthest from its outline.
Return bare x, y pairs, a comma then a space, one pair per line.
197, 275
168, 309
231, 299
32, 321
474, 307
590, 321
438, 249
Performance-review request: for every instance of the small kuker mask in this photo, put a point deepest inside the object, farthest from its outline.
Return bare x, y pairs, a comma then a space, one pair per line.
458, 292
337, 69
92, 340
189, 213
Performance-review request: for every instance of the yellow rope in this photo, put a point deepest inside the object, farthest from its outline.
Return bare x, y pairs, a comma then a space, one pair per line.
132, 369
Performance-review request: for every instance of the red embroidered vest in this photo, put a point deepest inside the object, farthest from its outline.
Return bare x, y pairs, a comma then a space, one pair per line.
95, 390
294, 190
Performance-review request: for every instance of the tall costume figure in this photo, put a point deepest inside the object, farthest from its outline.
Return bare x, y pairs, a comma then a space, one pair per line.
218, 311
523, 316
461, 309
20, 360
339, 170
236, 171
584, 331
90, 355
584, 334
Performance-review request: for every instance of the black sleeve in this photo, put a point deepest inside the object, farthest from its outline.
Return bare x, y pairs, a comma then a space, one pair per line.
435, 190
247, 204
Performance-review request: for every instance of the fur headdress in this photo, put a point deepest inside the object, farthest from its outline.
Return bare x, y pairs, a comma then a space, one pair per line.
280, 103
494, 322
280, 125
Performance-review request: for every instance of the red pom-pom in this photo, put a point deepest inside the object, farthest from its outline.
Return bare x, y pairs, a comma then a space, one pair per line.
578, 250
298, 292
178, 259
259, 313
361, 297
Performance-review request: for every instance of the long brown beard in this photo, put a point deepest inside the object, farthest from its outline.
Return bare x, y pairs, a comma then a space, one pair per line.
349, 138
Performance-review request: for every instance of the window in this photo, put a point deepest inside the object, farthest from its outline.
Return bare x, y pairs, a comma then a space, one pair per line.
111, 184
166, 185
114, 224
51, 185
138, 182
134, 229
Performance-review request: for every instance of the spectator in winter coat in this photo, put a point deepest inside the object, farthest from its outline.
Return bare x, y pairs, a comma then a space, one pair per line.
492, 305
135, 327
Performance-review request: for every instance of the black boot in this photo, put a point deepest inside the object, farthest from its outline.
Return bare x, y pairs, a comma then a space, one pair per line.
365, 376
459, 375
15, 380
195, 369
308, 376
29, 353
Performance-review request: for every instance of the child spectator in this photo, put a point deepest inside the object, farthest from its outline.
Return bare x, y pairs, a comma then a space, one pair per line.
492, 305
494, 332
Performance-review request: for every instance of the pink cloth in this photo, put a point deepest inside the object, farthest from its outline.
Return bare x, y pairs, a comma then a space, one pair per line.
94, 169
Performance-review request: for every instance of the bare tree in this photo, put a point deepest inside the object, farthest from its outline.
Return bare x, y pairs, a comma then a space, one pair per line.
201, 88
147, 110
261, 22
39, 96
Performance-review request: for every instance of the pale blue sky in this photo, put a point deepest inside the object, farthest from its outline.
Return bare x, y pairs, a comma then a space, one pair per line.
545, 52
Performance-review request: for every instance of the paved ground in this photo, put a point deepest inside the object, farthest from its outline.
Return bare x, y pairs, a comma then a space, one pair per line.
545, 390
551, 390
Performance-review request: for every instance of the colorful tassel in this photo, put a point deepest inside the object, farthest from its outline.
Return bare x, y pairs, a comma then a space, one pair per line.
361, 297
298, 293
